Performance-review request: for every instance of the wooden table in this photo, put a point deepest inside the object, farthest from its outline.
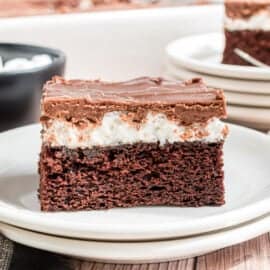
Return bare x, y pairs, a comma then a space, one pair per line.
251, 255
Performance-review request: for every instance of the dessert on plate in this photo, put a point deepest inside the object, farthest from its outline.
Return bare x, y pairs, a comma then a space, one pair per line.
142, 142
247, 27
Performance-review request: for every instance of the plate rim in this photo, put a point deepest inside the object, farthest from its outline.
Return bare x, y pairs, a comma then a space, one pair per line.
40, 222
235, 98
221, 70
230, 84
168, 250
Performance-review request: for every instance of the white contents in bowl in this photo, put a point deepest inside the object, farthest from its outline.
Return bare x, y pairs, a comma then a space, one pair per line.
41, 60
18, 64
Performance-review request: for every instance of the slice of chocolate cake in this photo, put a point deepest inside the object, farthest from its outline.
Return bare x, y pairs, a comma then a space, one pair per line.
137, 143
247, 27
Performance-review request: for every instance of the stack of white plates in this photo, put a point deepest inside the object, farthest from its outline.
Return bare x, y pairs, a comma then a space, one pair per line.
143, 234
247, 89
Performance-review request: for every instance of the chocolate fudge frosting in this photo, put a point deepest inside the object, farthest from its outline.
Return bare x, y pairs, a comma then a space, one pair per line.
244, 9
78, 100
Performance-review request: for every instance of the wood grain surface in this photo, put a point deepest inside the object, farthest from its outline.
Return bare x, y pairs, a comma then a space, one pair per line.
250, 255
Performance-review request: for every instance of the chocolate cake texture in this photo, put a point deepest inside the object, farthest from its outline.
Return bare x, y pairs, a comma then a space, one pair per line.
142, 142
247, 27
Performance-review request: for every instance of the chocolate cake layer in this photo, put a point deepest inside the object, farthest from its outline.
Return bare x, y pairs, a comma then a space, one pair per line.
185, 103
179, 174
255, 43
244, 9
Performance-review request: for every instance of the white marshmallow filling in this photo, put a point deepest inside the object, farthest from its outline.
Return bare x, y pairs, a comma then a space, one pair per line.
114, 130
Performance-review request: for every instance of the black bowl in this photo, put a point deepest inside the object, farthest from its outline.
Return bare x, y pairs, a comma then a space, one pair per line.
20, 91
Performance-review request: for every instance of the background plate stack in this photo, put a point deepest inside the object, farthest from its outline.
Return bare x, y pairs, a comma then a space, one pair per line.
247, 89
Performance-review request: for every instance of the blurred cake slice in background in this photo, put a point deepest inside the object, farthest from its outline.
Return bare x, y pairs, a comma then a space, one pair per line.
17, 8
14, 8
247, 27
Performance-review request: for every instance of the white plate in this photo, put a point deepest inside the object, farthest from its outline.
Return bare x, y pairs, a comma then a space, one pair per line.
236, 98
252, 100
203, 53
138, 252
252, 117
234, 85
247, 185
